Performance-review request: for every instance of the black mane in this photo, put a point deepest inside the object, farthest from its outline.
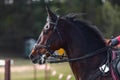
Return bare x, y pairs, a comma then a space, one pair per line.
93, 37
86, 25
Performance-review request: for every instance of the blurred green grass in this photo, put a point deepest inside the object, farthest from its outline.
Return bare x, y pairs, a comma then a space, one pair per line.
61, 68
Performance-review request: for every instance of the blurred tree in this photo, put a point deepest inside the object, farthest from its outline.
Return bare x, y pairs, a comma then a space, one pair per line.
115, 2
107, 18
20, 21
23, 19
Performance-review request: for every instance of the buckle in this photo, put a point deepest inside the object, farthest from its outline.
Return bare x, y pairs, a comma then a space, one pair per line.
104, 69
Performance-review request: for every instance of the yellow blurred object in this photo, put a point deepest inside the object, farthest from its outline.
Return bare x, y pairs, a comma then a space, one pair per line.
61, 51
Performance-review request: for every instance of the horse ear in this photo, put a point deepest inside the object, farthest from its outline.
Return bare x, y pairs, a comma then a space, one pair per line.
51, 15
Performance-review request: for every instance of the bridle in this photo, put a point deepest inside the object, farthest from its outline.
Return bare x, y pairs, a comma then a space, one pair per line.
49, 51
48, 43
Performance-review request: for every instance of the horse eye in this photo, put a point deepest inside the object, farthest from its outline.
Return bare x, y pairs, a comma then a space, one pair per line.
47, 27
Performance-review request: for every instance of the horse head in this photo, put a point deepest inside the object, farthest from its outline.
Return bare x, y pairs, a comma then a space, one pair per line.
49, 40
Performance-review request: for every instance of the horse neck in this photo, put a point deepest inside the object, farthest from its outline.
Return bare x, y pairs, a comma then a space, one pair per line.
79, 44
79, 39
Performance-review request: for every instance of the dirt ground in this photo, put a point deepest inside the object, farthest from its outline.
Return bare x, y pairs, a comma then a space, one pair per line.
24, 68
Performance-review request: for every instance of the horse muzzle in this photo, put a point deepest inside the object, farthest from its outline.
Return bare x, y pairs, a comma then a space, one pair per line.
40, 59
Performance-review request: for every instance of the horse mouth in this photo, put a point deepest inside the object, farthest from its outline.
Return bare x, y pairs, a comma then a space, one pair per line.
38, 60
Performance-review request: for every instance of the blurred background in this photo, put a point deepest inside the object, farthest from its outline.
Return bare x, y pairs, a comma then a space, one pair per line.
21, 22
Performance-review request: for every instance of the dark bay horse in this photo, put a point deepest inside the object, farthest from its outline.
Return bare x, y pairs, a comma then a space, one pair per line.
77, 38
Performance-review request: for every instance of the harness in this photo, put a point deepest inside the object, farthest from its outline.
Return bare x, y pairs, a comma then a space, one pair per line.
101, 70
79, 58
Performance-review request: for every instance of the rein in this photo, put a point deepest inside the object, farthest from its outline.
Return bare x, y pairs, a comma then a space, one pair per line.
80, 58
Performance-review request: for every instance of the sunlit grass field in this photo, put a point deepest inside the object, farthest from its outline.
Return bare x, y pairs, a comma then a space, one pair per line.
37, 74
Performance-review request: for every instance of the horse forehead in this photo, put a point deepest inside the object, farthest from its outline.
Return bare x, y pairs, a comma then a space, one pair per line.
51, 19
47, 19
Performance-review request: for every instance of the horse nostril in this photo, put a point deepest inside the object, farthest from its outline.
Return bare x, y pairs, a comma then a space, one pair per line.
31, 56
